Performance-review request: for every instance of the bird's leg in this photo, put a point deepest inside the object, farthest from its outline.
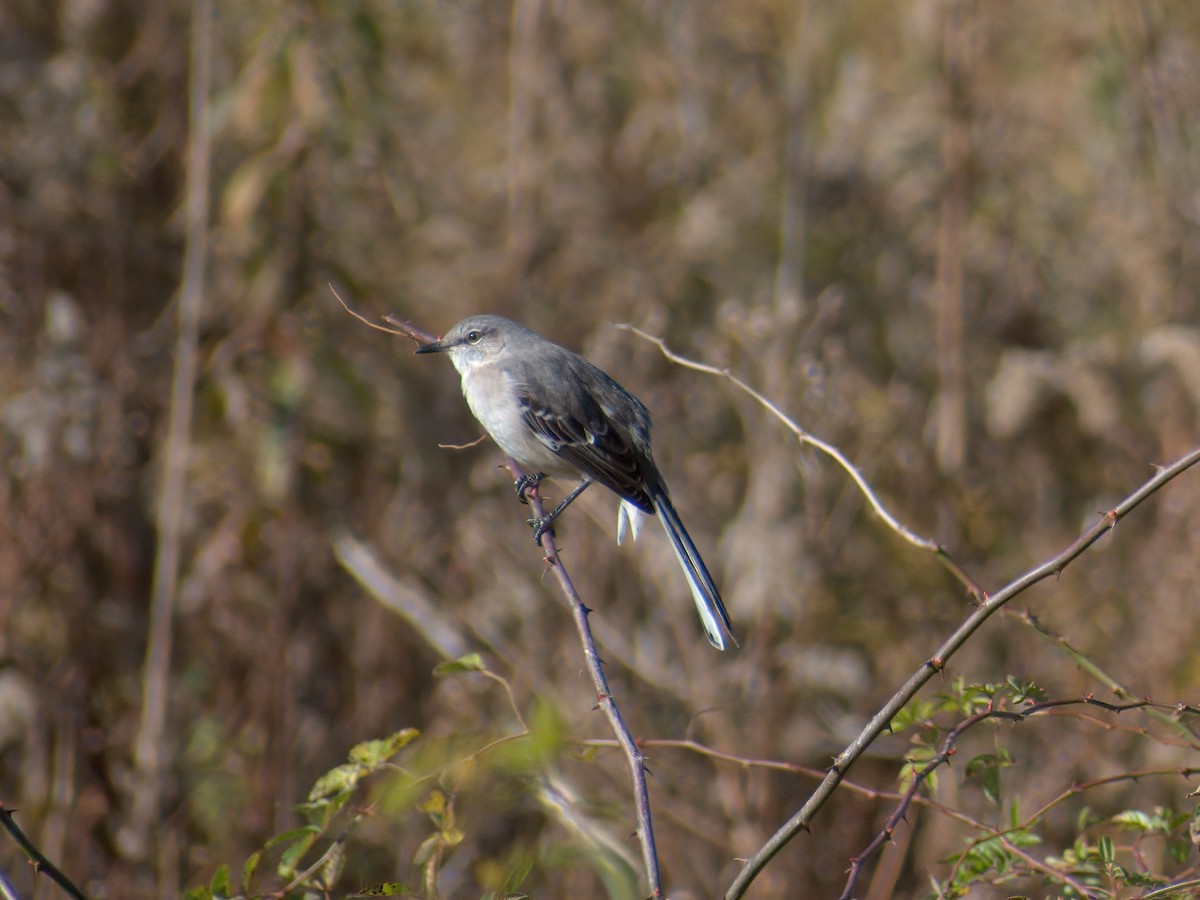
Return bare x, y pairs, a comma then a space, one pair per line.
526, 483
542, 525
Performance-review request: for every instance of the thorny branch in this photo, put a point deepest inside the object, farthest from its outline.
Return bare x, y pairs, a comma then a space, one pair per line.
937, 662
636, 761
949, 748
36, 858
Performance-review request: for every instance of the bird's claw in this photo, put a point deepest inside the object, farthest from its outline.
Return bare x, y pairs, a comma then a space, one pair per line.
541, 525
525, 484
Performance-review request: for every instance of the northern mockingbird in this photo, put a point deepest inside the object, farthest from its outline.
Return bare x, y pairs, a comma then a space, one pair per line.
557, 414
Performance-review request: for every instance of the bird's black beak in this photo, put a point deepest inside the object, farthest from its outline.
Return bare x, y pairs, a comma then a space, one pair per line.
435, 347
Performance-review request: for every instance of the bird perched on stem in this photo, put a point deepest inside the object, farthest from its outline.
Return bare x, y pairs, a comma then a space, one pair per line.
557, 414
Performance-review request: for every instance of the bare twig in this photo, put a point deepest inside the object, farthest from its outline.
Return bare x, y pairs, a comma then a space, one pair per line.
879, 722
149, 744
475, 443
398, 325
805, 438
36, 858
637, 763
409, 330
348, 308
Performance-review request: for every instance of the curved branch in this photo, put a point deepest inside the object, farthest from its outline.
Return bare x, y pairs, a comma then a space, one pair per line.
879, 723
805, 438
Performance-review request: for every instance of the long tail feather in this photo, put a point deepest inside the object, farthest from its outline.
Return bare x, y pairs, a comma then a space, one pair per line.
712, 612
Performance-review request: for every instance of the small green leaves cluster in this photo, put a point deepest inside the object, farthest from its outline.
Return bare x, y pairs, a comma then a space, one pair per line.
328, 798
1106, 858
310, 859
961, 702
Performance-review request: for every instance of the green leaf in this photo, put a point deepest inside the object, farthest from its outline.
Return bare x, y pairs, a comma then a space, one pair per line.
1023, 837
249, 869
435, 804
1107, 853
337, 780
220, 884
1134, 819
472, 662
373, 754
302, 839
198, 893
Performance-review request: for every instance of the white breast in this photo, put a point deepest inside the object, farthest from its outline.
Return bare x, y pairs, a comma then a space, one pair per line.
490, 394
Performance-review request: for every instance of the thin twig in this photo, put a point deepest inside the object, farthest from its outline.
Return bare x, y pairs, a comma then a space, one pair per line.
149, 745
805, 438
36, 858
879, 722
348, 308
475, 443
637, 763
409, 330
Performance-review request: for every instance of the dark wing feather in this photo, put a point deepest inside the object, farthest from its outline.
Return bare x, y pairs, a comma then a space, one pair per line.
579, 426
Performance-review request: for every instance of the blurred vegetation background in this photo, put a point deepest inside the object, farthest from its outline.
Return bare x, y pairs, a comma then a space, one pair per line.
958, 240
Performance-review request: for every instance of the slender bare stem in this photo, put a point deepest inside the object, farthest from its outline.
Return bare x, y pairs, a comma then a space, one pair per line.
149, 743
606, 702
805, 438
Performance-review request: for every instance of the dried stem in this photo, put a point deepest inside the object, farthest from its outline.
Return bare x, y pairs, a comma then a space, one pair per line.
637, 762
829, 450
149, 749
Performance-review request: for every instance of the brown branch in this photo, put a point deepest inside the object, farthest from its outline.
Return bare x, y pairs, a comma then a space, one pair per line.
637, 762
409, 330
879, 722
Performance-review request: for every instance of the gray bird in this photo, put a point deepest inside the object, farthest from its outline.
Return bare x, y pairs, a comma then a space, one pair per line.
557, 414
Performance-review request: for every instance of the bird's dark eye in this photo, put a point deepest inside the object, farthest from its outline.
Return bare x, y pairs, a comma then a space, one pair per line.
474, 336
